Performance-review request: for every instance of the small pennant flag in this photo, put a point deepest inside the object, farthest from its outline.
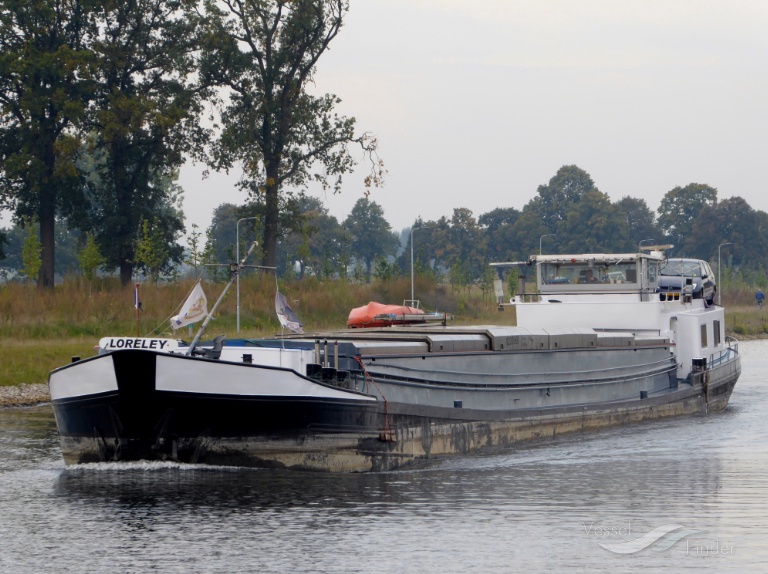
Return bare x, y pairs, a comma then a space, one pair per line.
194, 309
285, 314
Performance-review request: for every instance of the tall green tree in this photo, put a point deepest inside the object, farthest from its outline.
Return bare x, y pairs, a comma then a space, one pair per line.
679, 209
593, 225
465, 245
640, 223
265, 53
372, 237
730, 221
499, 223
67, 245
46, 71
222, 233
144, 120
89, 258
316, 241
555, 199
527, 235
31, 251
151, 250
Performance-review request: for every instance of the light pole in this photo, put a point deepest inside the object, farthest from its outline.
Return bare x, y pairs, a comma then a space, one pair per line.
720, 285
640, 245
543, 236
237, 259
412, 230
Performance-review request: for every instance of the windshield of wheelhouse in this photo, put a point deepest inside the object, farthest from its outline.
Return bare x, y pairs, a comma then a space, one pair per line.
624, 273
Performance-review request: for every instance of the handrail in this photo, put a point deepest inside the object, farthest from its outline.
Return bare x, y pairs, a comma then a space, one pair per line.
724, 355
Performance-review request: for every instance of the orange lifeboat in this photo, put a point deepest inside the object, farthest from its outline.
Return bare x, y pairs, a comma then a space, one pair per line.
379, 315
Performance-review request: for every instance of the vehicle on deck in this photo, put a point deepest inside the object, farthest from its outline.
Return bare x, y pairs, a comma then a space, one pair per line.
673, 276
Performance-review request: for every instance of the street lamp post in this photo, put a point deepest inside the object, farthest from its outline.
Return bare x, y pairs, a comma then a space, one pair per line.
719, 275
412, 230
543, 236
237, 259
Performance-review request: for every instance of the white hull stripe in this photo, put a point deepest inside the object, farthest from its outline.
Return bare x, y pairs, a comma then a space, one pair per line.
190, 376
88, 378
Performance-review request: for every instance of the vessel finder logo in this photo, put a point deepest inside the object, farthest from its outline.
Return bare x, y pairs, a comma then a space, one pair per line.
659, 539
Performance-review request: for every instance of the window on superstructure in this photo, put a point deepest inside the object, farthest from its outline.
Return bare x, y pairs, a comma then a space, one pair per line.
716, 332
653, 267
703, 336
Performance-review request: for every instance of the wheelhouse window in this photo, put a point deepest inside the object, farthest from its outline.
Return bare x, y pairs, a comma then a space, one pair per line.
682, 269
653, 268
703, 336
581, 273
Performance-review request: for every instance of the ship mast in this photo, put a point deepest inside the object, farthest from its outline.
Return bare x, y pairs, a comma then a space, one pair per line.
235, 270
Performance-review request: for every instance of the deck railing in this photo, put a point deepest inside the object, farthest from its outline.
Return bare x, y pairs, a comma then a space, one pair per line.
727, 354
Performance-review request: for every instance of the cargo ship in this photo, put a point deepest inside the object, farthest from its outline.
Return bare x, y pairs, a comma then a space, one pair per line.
594, 346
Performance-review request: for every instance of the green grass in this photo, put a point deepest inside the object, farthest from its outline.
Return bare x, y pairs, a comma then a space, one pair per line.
746, 321
30, 360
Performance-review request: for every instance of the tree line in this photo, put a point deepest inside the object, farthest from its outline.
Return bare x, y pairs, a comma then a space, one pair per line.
101, 102
568, 214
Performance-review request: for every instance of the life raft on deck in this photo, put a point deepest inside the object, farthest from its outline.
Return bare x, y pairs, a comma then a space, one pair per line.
380, 315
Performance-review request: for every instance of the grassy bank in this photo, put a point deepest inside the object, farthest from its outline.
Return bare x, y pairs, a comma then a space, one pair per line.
40, 331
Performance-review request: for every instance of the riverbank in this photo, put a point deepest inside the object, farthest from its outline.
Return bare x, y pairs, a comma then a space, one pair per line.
24, 395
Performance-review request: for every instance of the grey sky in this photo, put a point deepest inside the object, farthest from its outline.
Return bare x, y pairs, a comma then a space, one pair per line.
477, 103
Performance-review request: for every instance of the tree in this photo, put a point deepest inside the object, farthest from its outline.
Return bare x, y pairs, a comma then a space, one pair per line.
526, 235
499, 224
31, 251
195, 252
593, 225
556, 198
145, 118
265, 53
45, 86
640, 222
679, 209
90, 258
151, 253
461, 244
372, 237
67, 246
222, 232
316, 240
731, 220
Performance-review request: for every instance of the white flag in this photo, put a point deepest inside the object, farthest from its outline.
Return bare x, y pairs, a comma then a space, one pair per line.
194, 309
285, 314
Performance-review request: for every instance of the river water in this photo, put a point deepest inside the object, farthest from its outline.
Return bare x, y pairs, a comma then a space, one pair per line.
689, 494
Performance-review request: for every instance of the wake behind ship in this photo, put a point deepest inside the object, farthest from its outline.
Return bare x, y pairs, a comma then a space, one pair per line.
586, 354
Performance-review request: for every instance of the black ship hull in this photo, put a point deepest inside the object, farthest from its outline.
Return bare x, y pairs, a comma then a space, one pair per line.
292, 421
